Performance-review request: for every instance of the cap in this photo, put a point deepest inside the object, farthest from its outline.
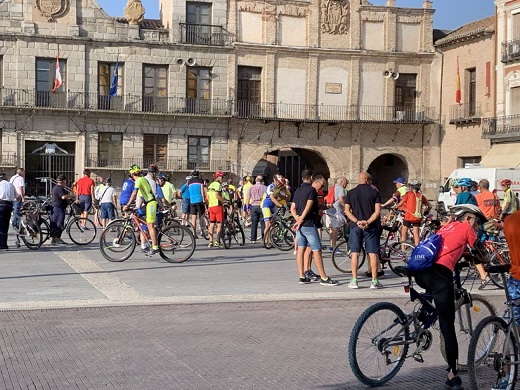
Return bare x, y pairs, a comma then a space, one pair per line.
400, 180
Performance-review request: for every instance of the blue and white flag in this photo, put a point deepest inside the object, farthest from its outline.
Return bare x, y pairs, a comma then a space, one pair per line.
113, 84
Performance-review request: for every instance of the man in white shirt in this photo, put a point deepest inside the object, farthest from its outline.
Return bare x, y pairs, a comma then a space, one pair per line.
18, 181
107, 203
8, 196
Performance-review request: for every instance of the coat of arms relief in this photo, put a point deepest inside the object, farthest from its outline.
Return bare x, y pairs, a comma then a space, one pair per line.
52, 9
335, 16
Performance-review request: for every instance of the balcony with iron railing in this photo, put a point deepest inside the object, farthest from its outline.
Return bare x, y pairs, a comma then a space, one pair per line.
8, 159
204, 34
506, 126
511, 50
330, 113
176, 164
131, 103
465, 113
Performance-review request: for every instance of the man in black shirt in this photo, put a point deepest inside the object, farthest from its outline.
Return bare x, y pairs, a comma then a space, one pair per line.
362, 207
60, 197
305, 209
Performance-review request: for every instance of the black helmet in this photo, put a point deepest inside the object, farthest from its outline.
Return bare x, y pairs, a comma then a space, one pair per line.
195, 173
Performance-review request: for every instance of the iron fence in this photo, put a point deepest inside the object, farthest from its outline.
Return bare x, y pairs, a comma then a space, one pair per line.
510, 50
465, 113
8, 159
204, 34
502, 126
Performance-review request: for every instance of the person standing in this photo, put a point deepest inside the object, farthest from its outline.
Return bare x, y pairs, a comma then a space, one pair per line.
168, 189
215, 209
363, 207
151, 176
8, 196
107, 203
185, 199
337, 211
401, 190
85, 191
509, 206
413, 203
18, 181
126, 191
304, 209
197, 193
60, 197
246, 202
488, 203
254, 198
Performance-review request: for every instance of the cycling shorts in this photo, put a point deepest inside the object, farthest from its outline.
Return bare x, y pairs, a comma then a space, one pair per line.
268, 213
216, 214
151, 211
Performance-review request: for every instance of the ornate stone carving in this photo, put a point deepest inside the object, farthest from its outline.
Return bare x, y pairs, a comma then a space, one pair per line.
371, 16
134, 12
409, 19
293, 10
52, 9
335, 16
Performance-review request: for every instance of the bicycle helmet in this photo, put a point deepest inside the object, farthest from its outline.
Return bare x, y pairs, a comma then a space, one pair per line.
218, 174
188, 178
248, 178
162, 176
195, 173
461, 209
505, 182
279, 178
463, 182
134, 169
153, 168
415, 185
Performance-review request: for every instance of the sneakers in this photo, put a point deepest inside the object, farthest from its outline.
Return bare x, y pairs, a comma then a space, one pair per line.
59, 241
252, 241
353, 283
217, 244
331, 249
312, 276
304, 280
143, 250
454, 383
502, 384
210, 245
328, 282
484, 283
152, 252
376, 284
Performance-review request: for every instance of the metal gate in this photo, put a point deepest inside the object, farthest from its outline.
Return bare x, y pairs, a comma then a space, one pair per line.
45, 161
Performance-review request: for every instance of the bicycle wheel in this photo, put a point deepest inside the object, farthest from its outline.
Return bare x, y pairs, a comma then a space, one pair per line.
466, 319
246, 226
342, 260
239, 234
377, 346
493, 356
117, 242
45, 229
226, 234
397, 255
282, 238
497, 258
30, 234
204, 226
82, 231
176, 243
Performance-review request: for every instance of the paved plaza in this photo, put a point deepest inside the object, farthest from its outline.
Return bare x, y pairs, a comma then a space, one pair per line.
225, 319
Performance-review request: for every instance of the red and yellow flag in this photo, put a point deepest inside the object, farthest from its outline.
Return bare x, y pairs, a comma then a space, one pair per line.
457, 84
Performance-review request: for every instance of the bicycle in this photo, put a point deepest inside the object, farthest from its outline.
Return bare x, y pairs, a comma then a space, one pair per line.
118, 241
280, 234
382, 335
494, 353
28, 230
391, 252
231, 228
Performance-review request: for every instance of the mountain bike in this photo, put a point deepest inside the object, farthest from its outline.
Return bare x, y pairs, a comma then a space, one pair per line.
118, 241
279, 234
231, 228
383, 334
494, 353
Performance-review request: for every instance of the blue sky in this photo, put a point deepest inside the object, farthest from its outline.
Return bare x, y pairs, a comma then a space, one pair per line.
449, 14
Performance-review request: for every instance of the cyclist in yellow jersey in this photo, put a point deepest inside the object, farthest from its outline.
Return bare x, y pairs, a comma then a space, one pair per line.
215, 208
509, 206
246, 201
142, 188
275, 195
168, 189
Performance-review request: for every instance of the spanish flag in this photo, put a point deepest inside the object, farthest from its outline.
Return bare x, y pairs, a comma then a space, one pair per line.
457, 84
57, 78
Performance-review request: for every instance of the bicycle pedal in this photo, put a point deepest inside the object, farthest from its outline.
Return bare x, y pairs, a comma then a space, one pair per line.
418, 357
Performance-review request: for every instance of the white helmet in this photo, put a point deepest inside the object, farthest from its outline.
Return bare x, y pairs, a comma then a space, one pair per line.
461, 209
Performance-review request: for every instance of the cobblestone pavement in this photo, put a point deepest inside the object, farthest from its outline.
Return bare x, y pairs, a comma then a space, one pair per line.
263, 345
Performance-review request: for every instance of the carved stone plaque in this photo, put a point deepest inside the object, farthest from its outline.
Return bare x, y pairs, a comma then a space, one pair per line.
52, 9
333, 87
335, 16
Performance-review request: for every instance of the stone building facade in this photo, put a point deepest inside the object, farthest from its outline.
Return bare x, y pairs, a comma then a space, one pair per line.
342, 85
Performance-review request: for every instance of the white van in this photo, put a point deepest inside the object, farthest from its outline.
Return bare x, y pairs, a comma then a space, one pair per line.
477, 172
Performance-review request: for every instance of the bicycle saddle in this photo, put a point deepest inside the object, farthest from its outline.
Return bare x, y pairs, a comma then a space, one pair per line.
402, 270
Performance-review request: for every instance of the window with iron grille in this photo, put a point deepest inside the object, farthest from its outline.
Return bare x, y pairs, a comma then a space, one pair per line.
198, 89
198, 21
105, 79
472, 92
198, 152
45, 76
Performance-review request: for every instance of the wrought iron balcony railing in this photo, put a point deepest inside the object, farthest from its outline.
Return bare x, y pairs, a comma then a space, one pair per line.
130, 103
511, 50
171, 164
8, 159
204, 34
501, 127
465, 113
329, 113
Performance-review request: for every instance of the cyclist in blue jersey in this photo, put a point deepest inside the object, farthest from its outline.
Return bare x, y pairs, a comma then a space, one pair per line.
463, 189
185, 199
197, 193
126, 191
276, 195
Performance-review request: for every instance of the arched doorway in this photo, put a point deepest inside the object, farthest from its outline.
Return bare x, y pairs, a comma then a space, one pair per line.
384, 170
290, 162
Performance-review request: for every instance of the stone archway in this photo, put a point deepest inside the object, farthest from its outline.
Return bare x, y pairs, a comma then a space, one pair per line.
384, 170
290, 162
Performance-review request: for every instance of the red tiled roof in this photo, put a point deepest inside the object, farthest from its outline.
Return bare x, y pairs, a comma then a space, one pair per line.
470, 30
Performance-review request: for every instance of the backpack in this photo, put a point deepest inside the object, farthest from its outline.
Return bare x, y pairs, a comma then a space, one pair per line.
423, 256
329, 199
